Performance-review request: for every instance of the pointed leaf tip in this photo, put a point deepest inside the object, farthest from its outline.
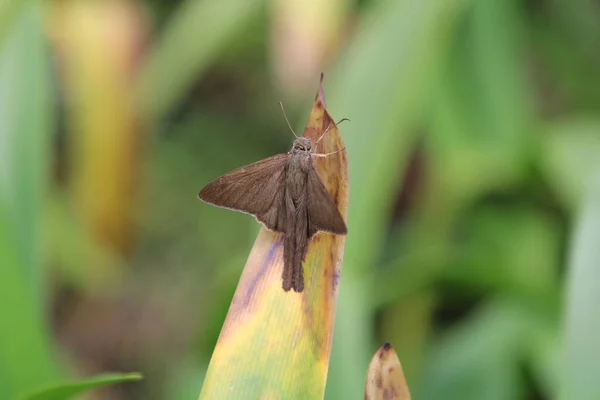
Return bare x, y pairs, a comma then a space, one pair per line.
320, 92
385, 378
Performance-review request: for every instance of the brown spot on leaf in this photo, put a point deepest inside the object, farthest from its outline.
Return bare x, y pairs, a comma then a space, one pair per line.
332, 260
336, 279
386, 394
379, 380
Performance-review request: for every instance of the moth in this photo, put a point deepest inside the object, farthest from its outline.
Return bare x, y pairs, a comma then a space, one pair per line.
285, 194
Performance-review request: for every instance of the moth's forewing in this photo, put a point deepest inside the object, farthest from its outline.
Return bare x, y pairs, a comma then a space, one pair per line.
255, 189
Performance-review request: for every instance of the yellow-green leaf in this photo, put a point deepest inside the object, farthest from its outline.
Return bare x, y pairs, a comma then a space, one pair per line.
385, 378
276, 344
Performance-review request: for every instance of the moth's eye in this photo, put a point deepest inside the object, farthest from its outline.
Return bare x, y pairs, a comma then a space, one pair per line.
307, 145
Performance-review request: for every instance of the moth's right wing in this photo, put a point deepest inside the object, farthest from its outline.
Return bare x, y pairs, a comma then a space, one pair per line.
323, 214
256, 189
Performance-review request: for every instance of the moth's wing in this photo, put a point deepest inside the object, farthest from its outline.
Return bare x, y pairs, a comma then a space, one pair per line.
256, 189
323, 214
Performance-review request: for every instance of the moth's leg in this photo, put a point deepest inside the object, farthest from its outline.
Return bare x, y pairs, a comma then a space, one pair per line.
328, 154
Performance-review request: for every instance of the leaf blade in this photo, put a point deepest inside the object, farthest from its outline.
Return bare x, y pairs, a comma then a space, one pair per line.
25, 126
582, 320
67, 390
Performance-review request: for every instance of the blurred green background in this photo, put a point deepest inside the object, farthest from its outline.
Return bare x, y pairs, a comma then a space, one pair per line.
474, 220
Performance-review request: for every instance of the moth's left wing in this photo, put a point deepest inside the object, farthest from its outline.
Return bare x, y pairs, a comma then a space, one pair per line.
256, 189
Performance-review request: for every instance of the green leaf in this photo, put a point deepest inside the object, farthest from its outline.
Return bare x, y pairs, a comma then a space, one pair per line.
482, 115
67, 390
526, 245
384, 84
581, 364
570, 156
503, 101
25, 128
9, 11
25, 118
478, 360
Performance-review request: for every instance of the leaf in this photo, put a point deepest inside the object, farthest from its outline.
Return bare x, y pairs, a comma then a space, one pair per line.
9, 11
581, 363
385, 378
275, 344
526, 245
481, 115
384, 86
475, 360
104, 141
482, 356
67, 390
381, 133
25, 129
417, 312
569, 159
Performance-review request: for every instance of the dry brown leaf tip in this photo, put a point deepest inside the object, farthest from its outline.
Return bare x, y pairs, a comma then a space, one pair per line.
385, 377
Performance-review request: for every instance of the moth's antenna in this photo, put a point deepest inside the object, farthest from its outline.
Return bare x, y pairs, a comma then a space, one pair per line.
329, 127
286, 120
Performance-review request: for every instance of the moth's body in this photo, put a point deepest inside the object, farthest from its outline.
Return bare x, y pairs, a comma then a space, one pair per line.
296, 212
285, 194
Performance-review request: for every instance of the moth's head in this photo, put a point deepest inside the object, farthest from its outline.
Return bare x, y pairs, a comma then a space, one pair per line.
302, 144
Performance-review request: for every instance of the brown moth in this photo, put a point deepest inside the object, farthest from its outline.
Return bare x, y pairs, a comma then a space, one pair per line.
284, 193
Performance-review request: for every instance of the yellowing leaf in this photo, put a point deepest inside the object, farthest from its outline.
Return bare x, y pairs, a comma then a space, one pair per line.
276, 344
385, 378
101, 115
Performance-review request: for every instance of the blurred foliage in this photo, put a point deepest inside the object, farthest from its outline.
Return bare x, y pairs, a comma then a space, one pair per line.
472, 155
